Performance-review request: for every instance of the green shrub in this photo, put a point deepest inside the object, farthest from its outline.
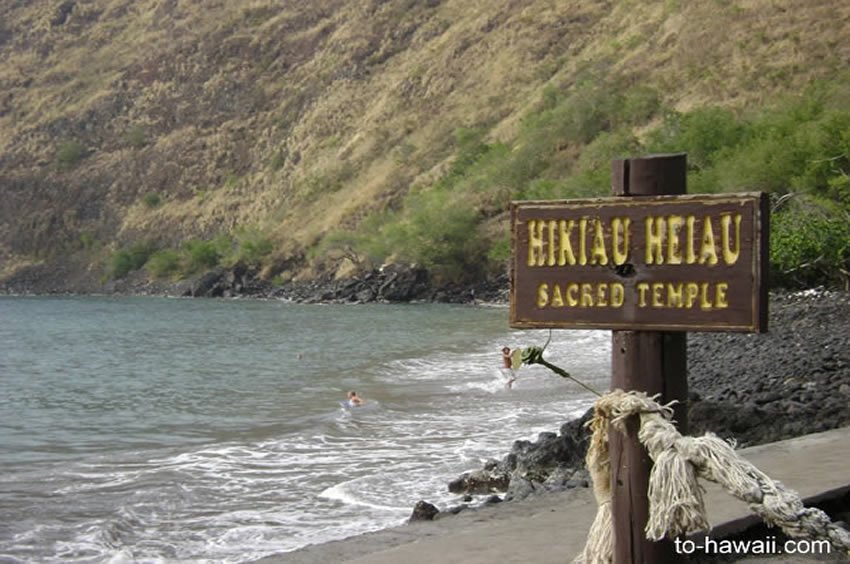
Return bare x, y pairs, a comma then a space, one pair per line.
231, 180
278, 160
542, 189
825, 145
151, 200
445, 241
377, 238
69, 153
810, 244
136, 136
87, 240
637, 105
130, 259
572, 119
120, 264
550, 97
340, 240
224, 245
470, 148
253, 246
792, 148
164, 263
440, 234
703, 133
500, 251
200, 255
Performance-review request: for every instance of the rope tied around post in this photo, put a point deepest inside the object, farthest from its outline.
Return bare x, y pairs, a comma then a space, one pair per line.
676, 504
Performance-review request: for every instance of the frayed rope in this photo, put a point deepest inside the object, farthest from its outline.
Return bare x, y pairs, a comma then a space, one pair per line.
676, 504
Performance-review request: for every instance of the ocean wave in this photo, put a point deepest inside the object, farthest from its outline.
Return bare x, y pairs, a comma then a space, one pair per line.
349, 493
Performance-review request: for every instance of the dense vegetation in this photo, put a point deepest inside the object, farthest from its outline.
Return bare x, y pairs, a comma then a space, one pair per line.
248, 247
797, 149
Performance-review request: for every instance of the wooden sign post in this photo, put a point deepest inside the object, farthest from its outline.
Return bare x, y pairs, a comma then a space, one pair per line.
650, 264
651, 361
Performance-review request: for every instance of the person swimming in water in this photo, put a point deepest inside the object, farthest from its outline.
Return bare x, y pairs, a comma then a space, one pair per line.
354, 400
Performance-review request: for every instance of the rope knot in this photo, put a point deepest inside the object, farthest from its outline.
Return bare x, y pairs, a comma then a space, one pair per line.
676, 505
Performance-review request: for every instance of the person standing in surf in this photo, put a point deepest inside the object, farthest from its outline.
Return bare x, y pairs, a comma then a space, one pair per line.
508, 368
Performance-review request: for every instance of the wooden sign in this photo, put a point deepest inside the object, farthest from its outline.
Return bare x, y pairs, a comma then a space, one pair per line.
655, 263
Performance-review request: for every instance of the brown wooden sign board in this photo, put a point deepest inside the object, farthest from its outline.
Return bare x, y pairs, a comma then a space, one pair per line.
651, 263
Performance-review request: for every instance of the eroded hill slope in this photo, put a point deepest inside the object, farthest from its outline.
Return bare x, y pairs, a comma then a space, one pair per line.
168, 120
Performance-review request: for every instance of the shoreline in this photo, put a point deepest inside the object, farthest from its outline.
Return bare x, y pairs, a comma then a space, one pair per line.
753, 389
552, 528
366, 545
393, 283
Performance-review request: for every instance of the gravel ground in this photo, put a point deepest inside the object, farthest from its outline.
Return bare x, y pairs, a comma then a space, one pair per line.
791, 381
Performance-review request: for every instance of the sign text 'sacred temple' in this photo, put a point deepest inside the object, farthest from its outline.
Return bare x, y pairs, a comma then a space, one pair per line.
660, 263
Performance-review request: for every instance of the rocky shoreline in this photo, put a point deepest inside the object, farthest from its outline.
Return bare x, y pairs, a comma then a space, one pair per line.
752, 389
392, 283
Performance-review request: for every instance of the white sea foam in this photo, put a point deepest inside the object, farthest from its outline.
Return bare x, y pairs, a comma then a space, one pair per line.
349, 493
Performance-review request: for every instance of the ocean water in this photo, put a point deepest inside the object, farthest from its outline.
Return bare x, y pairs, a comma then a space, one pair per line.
154, 429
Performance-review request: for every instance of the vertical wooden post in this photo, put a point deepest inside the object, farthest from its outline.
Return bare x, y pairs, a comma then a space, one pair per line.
650, 361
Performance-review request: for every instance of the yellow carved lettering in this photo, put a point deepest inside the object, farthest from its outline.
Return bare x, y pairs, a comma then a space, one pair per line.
720, 300
535, 243
598, 255
572, 294
730, 256
582, 243
601, 295
674, 295
586, 295
691, 293
618, 225
690, 253
654, 240
565, 254
542, 295
704, 302
551, 247
657, 300
618, 294
708, 249
642, 287
557, 300
674, 224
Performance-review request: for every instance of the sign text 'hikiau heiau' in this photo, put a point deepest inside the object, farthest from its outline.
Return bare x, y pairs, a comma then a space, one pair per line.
674, 263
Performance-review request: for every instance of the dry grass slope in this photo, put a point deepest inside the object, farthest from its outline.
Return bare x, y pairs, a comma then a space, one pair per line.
299, 120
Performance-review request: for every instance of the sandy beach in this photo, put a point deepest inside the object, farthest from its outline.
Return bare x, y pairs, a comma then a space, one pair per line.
552, 528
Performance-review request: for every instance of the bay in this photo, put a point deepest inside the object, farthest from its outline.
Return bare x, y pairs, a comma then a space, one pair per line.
156, 429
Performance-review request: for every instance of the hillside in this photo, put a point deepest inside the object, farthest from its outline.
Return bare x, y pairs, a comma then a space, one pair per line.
276, 124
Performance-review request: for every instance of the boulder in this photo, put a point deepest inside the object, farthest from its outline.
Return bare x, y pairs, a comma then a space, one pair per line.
480, 482
402, 283
210, 285
521, 488
423, 511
